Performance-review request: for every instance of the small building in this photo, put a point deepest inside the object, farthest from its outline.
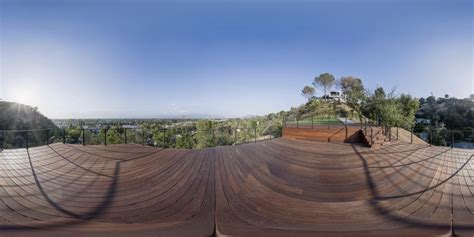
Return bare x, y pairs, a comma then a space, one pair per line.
334, 95
423, 121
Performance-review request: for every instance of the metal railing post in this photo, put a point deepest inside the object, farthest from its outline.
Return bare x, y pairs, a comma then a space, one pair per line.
83, 137
452, 139
328, 120
64, 135
105, 136
164, 139
431, 136
213, 137
390, 134
178, 131
297, 122
26, 137
246, 135
235, 135
397, 133
312, 121
47, 137
346, 130
255, 133
1, 143
411, 136
125, 136
371, 136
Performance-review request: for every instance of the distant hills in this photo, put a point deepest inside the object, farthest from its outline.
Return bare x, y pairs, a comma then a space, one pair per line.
15, 116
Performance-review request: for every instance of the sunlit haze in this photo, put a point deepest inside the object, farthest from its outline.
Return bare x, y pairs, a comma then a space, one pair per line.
92, 59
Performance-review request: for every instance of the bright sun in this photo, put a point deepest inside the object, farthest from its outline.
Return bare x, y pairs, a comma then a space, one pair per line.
21, 99
22, 95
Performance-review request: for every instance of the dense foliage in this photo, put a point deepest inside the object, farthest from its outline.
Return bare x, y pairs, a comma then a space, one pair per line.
447, 112
450, 120
389, 109
14, 116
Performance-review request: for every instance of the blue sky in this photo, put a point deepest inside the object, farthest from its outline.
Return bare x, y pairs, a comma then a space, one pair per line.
104, 58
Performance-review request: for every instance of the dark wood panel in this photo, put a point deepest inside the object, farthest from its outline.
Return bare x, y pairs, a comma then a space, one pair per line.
324, 133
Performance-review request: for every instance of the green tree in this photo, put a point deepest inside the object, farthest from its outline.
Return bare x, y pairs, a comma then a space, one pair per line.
185, 140
325, 81
205, 134
354, 93
308, 92
73, 135
115, 135
391, 110
350, 85
408, 106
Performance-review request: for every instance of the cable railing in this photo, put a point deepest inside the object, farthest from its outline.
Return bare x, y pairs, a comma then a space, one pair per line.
311, 121
179, 138
454, 138
194, 137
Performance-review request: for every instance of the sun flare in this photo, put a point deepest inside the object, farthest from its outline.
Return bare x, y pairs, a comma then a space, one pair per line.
22, 95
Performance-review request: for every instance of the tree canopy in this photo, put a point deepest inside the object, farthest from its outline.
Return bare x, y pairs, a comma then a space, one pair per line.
308, 92
353, 91
324, 81
447, 111
389, 109
349, 84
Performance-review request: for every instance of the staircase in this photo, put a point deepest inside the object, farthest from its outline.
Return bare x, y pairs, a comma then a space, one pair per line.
374, 137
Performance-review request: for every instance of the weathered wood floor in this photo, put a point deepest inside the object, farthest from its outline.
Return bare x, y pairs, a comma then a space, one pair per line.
280, 187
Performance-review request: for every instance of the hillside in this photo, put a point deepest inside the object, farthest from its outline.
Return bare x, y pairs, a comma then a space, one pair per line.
14, 116
322, 110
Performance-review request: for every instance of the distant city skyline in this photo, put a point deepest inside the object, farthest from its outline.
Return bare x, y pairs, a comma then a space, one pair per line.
147, 59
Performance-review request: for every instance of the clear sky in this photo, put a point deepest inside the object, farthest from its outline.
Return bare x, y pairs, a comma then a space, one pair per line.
104, 58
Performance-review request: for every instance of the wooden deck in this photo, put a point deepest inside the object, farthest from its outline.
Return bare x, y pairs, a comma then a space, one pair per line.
280, 187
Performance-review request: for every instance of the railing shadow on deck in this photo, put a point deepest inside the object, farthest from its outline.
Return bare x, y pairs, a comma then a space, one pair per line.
376, 197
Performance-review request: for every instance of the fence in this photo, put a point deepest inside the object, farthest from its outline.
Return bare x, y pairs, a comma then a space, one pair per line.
310, 121
430, 136
188, 138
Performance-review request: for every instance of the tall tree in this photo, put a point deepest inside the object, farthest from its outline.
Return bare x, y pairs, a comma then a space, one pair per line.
408, 106
350, 84
354, 93
325, 81
308, 92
